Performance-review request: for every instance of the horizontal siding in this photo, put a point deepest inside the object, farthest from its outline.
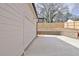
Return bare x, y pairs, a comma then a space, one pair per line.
15, 19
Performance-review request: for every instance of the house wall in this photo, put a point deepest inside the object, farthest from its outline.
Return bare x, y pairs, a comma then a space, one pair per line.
17, 28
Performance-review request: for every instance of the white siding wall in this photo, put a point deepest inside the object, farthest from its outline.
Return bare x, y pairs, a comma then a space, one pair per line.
17, 28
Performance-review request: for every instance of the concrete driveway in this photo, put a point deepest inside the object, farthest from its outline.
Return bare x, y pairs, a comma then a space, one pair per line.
51, 46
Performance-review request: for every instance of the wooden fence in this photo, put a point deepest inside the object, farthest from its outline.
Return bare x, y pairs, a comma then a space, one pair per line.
50, 25
72, 25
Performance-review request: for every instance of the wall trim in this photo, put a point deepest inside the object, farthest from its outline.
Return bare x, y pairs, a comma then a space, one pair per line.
30, 43
22, 54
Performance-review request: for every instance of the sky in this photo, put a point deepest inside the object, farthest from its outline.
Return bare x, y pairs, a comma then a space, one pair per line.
74, 8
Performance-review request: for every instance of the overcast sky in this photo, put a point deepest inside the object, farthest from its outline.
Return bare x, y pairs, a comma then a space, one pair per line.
74, 8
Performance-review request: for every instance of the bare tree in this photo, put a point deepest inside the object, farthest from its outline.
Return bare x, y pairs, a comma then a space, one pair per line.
49, 11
